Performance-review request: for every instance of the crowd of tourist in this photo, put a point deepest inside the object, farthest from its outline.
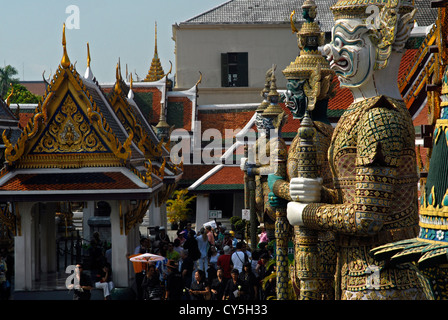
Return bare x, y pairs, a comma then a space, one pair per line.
211, 264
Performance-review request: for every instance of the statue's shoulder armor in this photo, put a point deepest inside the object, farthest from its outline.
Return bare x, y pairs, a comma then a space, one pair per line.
384, 130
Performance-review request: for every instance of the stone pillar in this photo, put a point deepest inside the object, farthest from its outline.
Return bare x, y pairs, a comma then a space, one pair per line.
162, 215
155, 214
87, 212
238, 203
202, 208
23, 247
47, 236
120, 245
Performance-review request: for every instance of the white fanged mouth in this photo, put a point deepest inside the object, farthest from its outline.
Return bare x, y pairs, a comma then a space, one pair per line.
341, 64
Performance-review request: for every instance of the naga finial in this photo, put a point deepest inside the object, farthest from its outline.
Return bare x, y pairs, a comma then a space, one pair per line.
293, 26
10, 95
200, 79
171, 68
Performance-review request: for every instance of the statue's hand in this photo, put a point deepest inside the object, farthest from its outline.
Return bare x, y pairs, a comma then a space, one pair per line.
243, 164
294, 213
272, 178
276, 202
305, 190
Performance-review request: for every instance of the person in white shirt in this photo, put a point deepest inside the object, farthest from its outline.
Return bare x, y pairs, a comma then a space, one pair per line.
239, 258
203, 246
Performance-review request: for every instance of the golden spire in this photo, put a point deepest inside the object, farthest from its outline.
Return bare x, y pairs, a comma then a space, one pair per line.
117, 87
65, 61
155, 71
274, 109
156, 53
88, 55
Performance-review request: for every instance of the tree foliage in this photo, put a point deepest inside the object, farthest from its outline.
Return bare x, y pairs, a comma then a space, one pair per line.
6, 78
177, 208
22, 95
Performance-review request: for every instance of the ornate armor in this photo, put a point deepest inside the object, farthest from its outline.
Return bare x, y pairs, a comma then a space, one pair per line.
372, 158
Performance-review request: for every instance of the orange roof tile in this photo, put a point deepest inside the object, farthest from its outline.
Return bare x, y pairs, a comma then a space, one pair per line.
407, 58
227, 175
68, 181
342, 99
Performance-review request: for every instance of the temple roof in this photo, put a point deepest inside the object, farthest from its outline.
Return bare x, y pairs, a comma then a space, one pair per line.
278, 12
74, 184
131, 117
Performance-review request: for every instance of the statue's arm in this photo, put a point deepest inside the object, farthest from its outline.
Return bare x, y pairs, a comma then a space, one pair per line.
378, 147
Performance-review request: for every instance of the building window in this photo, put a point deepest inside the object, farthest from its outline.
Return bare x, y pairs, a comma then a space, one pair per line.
235, 69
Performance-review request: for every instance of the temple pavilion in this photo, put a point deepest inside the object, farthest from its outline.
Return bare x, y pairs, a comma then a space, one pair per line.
81, 145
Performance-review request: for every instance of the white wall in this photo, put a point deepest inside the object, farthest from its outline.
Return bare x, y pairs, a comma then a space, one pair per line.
199, 48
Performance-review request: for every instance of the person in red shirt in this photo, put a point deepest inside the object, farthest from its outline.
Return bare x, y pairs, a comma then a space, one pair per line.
225, 262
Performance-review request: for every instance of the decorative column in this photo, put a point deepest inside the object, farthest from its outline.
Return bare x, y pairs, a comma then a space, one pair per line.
249, 189
307, 256
278, 154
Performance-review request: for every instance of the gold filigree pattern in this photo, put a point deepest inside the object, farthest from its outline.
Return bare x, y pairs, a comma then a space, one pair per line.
69, 132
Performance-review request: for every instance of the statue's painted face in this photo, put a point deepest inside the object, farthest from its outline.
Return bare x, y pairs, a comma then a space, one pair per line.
268, 123
296, 99
351, 53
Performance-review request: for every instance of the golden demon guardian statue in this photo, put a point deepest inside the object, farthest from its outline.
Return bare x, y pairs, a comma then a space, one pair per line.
371, 156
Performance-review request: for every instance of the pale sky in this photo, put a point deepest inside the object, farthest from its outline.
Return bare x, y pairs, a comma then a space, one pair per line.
31, 33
